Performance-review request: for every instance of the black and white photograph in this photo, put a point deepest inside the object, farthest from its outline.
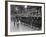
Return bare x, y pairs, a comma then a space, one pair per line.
25, 18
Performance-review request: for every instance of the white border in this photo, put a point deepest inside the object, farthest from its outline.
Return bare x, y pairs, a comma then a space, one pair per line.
29, 32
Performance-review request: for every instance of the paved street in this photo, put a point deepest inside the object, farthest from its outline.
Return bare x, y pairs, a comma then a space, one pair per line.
20, 27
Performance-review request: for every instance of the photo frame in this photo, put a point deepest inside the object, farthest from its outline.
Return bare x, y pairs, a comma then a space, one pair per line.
24, 18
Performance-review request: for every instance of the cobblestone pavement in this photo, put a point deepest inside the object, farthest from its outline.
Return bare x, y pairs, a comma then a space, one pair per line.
21, 27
